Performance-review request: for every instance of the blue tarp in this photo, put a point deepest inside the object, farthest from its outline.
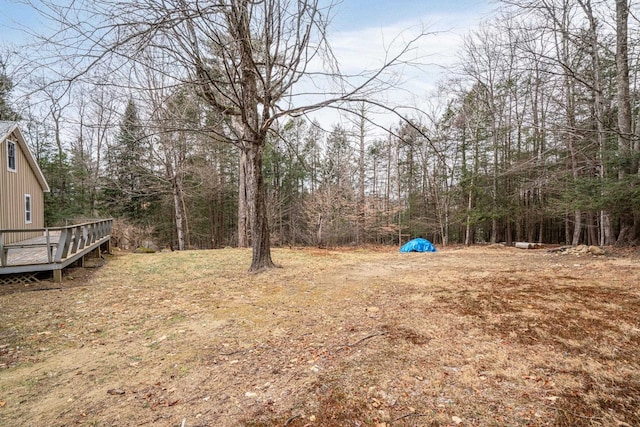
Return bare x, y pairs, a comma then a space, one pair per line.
418, 245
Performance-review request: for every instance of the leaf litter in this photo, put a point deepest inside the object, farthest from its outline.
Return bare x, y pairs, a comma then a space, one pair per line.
465, 336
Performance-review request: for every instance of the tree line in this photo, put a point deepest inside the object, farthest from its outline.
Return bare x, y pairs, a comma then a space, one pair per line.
533, 137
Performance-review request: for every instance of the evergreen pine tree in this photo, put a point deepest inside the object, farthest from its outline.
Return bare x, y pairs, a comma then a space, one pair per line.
6, 85
128, 188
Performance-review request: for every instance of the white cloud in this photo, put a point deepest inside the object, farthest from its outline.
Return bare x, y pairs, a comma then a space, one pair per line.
430, 60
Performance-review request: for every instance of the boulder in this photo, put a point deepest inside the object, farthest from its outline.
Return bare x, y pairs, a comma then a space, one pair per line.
596, 250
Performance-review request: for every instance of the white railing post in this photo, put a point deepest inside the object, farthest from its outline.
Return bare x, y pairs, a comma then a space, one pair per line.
49, 248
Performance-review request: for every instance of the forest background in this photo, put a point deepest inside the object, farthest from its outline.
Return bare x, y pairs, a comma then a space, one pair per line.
533, 135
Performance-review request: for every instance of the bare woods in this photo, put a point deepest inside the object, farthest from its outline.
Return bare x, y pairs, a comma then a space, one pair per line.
189, 122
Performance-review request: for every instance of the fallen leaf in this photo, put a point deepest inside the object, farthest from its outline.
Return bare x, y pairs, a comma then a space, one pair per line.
456, 420
2, 403
115, 391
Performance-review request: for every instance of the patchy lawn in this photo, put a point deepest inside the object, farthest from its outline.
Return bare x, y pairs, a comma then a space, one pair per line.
485, 336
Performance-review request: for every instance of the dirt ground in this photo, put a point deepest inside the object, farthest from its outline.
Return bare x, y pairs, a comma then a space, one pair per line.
483, 336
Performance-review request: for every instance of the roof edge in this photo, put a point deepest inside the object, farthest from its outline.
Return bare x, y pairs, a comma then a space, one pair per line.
14, 127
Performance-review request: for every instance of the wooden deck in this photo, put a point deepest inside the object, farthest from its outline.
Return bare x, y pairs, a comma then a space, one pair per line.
31, 251
55, 249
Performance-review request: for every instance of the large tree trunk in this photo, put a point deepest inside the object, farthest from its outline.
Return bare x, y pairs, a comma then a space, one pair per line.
361, 177
260, 225
253, 131
605, 235
173, 174
494, 177
387, 190
570, 111
179, 211
635, 163
624, 112
622, 84
577, 227
467, 231
319, 231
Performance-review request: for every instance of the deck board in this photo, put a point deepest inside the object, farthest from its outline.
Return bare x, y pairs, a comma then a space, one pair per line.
27, 256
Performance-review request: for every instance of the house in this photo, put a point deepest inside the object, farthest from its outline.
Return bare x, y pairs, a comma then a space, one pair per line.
22, 185
24, 253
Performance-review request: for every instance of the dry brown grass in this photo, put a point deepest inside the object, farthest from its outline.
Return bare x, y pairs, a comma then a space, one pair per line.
480, 336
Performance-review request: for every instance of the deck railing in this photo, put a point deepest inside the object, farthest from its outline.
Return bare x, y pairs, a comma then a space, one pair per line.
60, 242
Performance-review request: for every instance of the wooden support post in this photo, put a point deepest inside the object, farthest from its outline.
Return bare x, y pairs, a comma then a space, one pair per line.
57, 276
3, 251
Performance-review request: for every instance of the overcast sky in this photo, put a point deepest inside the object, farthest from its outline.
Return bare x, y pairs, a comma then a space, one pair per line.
12, 16
362, 30
361, 33
376, 13
353, 14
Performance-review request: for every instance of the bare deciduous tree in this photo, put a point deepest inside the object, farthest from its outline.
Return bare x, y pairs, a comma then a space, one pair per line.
251, 61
